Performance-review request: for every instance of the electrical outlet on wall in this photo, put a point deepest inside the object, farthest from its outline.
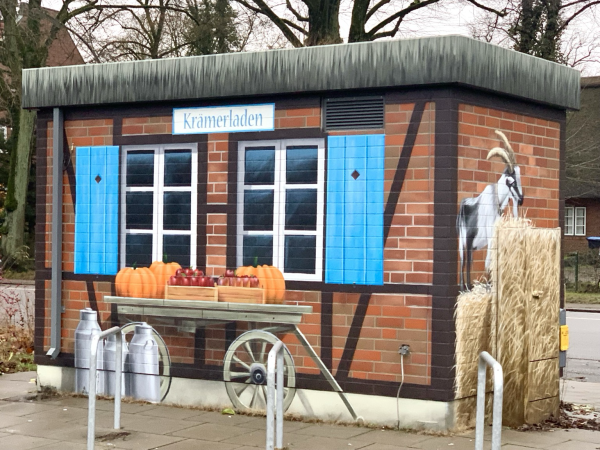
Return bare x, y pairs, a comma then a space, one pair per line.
404, 349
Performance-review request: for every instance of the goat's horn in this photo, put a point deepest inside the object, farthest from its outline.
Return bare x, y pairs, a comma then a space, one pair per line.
509, 150
500, 153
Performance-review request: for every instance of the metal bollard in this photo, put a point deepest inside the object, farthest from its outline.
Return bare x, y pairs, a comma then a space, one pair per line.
486, 359
275, 362
96, 339
110, 349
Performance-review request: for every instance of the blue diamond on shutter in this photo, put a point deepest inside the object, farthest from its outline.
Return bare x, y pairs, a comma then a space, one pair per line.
98, 179
355, 174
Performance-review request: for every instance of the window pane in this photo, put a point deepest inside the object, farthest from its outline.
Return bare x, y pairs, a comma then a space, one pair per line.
300, 254
260, 165
177, 209
258, 246
178, 168
138, 250
177, 249
258, 210
139, 210
301, 209
140, 168
301, 165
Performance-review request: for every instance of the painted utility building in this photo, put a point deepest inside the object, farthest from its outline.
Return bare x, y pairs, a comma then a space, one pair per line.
362, 172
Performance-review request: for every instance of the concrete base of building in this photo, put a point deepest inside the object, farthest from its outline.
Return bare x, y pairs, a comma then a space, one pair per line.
308, 404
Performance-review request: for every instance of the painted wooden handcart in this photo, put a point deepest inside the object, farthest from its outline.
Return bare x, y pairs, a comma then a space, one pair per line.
245, 362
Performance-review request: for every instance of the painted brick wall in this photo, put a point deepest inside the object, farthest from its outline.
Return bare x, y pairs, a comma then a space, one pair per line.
216, 244
390, 319
218, 159
536, 143
147, 125
408, 253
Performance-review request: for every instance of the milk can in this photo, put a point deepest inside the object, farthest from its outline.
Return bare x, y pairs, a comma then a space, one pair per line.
87, 327
110, 350
142, 365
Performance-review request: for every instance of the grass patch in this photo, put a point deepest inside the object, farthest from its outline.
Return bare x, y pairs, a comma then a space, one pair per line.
17, 362
584, 298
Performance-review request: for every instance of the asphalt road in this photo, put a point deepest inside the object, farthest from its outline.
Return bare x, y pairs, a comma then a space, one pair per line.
583, 357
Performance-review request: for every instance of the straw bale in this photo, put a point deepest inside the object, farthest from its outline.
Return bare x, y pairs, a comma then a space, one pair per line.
514, 317
525, 274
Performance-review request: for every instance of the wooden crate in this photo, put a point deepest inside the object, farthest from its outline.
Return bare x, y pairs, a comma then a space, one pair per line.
207, 294
234, 294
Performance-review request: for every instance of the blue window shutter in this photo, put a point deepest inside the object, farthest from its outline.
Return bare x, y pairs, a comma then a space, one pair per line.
354, 234
96, 210
375, 208
334, 233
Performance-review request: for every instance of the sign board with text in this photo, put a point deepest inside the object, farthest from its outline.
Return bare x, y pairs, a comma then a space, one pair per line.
224, 119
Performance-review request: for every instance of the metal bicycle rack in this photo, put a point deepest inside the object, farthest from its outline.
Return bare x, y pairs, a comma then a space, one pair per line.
92, 383
485, 359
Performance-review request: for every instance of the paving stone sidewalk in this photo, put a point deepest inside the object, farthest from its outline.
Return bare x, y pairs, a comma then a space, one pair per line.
60, 424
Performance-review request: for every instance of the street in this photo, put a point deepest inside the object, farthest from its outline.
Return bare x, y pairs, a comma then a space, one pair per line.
583, 357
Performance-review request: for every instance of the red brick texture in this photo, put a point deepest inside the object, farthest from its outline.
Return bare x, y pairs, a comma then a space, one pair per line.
391, 319
408, 251
536, 143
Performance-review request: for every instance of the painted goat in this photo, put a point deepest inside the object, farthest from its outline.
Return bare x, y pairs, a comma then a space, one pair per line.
477, 216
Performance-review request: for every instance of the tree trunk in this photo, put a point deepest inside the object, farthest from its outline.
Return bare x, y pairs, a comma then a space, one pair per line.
16, 219
358, 22
324, 24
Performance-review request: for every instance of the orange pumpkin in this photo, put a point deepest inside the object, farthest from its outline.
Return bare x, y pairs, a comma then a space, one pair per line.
135, 282
270, 279
162, 272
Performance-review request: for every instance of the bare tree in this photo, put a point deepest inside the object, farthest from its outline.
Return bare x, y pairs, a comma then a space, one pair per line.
317, 22
557, 30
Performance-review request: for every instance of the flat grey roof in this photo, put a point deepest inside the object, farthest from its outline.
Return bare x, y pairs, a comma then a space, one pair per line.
382, 64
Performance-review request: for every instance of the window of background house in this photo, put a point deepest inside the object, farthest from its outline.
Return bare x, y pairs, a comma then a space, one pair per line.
280, 206
569, 221
159, 204
575, 221
579, 221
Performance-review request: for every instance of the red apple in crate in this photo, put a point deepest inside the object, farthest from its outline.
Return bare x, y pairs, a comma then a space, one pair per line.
179, 271
254, 282
186, 281
195, 281
197, 273
189, 272
173, 280
229, 273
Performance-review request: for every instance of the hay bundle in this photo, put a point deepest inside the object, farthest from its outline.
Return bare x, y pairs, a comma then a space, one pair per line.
514, 317
525, 274
474, 334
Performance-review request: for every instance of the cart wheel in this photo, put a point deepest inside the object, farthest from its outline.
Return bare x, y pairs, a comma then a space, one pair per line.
245, 371
164, 359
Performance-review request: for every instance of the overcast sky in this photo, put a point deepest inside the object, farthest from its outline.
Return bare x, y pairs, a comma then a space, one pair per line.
451, 17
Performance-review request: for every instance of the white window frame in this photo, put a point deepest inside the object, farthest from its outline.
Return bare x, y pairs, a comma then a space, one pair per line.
279, 186
580, 213
158, 207
569, 217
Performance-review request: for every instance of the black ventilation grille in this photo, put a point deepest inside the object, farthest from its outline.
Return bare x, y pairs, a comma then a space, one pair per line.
353, 113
